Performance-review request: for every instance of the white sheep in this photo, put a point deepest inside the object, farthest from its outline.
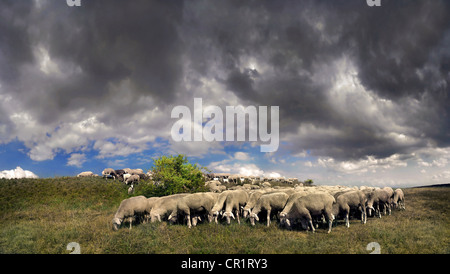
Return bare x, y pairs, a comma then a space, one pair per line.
271, 202
165, 206
131, 190
129, 209
150, 204
139, 172
234, 201
306, 207
350, 200
252, 199
126, 176
376, 198
109, 172
398, 199
132, 179
87, 174
215, 186
194, 205
219, 205
389, 190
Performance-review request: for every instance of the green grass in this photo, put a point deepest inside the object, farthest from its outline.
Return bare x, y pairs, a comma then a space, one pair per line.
44, 215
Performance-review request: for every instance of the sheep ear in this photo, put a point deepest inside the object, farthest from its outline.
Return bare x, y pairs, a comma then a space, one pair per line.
232, 215
159, 217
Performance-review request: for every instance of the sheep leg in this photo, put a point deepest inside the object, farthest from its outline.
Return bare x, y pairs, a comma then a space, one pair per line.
365, 215
237, 216
347, 222
189, 224
268, 217
311, 224
329, 217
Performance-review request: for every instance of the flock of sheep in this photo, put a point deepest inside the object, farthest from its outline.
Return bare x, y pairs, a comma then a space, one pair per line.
127, 175
298, 206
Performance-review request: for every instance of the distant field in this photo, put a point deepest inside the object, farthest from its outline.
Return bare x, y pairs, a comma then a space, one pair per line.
44, 215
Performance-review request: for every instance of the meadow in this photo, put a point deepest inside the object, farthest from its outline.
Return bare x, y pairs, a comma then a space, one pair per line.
42, 216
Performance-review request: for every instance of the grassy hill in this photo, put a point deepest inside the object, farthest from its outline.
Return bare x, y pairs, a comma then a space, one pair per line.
44, 215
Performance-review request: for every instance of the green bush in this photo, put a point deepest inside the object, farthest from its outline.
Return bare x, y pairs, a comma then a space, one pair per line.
173, 174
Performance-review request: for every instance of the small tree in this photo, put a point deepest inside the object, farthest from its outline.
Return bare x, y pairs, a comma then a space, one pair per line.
175, 174
308, 182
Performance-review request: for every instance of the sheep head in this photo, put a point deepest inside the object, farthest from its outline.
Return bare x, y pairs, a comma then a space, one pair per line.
284, 219
155, 217
246, 212
116, 223
253, 217
228, 215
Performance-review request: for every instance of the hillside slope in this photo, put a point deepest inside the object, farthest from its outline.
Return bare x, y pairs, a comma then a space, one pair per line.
44, 215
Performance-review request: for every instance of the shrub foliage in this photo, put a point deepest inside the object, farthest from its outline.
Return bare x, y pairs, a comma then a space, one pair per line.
174, 174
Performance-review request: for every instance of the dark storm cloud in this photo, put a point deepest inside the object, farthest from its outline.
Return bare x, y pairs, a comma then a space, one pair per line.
400, 51
108, 50
96, 46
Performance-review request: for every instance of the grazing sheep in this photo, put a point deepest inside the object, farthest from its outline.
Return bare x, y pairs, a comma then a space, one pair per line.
109, 172
126, 176
235, 200
376, 198
165, 206
132, 179
150, 203
195, 219
252, 199
271, 202
398, 199
389, 190
194, 204
306, 207
139, 172
219, 205
129, 209
87, 174
131, 190
215, 186
350, 200
119, 172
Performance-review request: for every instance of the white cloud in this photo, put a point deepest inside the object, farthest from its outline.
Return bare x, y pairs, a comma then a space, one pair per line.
242, 156
370, 163
236, 168
109, 149
17, 174
76, 159
442, 177
273, 175
250, 170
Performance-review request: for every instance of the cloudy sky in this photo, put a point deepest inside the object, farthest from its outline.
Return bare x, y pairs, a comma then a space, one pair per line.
363, 92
